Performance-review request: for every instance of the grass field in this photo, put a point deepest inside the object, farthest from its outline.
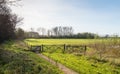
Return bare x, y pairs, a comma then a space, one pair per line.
64, 41
84, 65
79, 63
89, 64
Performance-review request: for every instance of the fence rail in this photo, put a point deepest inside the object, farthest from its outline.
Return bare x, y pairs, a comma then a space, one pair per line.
64, 48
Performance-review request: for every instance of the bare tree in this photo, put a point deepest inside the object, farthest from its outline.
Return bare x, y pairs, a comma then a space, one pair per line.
63, 31
55, 30
8, 21
49, 33
41, 31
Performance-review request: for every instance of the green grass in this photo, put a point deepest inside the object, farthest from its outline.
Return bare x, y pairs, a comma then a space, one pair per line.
69, 41
82, 65
60, 41
14, 60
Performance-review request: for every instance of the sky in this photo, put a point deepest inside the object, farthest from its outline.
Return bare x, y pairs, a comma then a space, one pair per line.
96, 16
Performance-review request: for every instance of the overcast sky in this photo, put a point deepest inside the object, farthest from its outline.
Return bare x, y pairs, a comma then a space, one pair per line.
97, 16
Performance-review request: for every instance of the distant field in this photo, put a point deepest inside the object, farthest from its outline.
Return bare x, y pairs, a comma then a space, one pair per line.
63, 41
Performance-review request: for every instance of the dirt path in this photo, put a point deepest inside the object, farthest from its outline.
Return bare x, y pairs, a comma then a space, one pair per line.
60, 66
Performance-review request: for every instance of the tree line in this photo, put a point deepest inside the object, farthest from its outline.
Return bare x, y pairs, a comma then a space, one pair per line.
56, 32
59, 32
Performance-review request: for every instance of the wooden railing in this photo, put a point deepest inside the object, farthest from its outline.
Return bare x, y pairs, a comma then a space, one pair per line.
64, 48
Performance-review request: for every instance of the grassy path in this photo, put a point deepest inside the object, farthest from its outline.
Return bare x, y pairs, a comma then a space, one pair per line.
60, 66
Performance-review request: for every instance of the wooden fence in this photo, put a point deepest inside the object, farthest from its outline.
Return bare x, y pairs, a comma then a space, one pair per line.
64, 48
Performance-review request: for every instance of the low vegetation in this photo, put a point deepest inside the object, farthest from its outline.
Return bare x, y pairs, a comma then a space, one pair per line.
84, 65
14, 60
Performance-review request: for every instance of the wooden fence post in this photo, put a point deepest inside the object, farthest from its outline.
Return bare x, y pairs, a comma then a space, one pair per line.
85, 50
64, 48
42, 47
